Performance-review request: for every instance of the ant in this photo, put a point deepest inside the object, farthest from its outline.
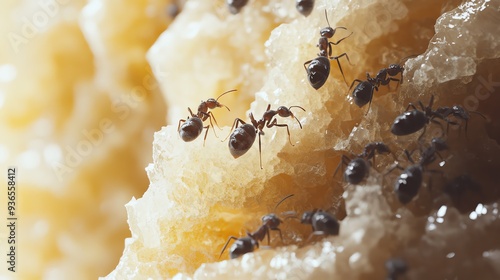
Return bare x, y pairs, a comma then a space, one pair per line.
318, 69
236, 5
458, 112
395, 267
409, 182
322, 222
363, 92
243, 137
357, 169
304, 7
248, 243
193, 126
412, 121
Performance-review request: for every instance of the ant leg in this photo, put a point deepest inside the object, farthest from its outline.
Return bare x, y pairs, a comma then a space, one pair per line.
274, 123
281, 236
338, 62
336, 43
408, 155
307, 62
235, 124
225, 245
210, 116
315, 233
260, 152
410, 105
345, 161
371, 97
206, 133
352, 84
179, 126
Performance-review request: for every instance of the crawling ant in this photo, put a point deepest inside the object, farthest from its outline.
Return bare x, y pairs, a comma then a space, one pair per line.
363, 92
412, 121
322, 222
304, 7
395, 268
458, 112
248, 243
236, 5
243, 137
409, 182
318, 69
193, 126
358, 168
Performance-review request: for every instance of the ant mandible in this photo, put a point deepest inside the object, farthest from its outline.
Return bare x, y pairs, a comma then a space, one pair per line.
318, 69
363, 92
193, 126
248, 243
243, 137
358, 168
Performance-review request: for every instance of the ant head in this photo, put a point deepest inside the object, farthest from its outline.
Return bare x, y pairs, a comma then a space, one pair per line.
327, 32
284, 112
394, 69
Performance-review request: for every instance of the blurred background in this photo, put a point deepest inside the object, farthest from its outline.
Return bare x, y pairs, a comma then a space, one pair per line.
78, 109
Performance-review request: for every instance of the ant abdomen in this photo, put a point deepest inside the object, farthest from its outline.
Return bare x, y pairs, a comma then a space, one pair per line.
241, 140
190, 129
318, 71
356, 171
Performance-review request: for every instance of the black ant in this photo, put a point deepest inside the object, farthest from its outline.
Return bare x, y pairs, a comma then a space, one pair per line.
318, 69
193, 126
395, 267
409, 182
363, 92
304, 7
243, 137
322, 222
412, 121
248, 243
236, 5
458, 112
358, 168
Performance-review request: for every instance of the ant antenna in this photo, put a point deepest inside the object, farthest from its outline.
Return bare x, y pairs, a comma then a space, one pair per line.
326, 16
217, 99
285, 198
295, 116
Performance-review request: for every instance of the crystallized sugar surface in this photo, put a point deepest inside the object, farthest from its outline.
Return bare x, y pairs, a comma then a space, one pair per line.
199, 195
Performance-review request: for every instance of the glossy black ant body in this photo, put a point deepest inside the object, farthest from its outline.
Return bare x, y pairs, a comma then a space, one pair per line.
412, 121
458, 112
304, 7
358, 168
248, 243
395, 268
193, 126
323, 223
243, 137
409, 182
318, 69
236, 5
363, 92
